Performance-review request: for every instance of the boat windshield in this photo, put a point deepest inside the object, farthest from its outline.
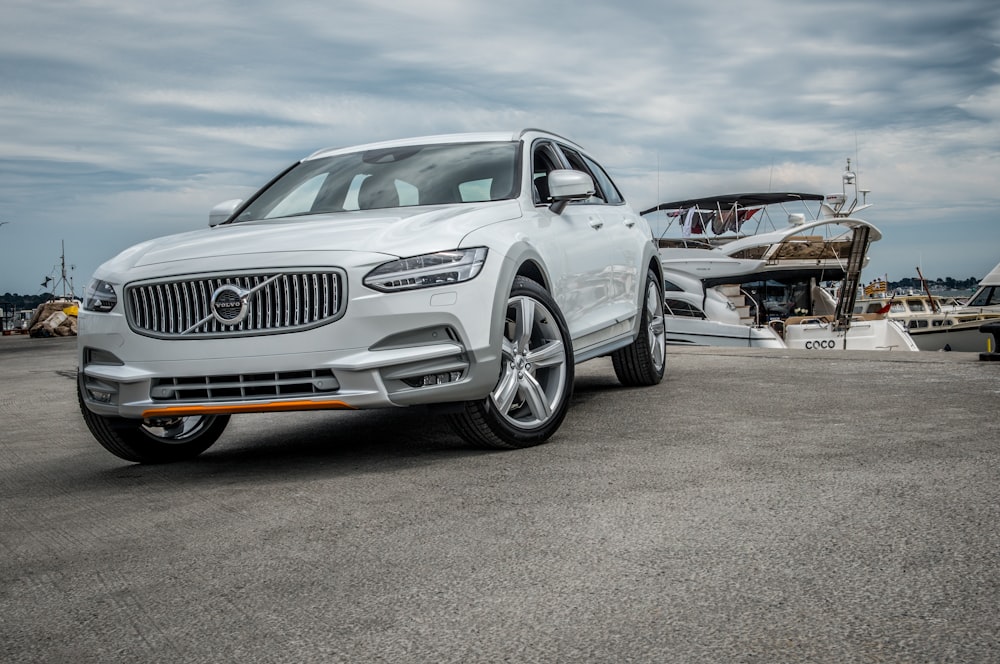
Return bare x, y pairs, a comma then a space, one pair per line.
391, 178
987, 296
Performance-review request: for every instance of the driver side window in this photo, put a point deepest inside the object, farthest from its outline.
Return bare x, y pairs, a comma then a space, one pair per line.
543, 162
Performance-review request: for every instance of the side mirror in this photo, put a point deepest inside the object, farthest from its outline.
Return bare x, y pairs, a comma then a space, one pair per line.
223, 211
566, 185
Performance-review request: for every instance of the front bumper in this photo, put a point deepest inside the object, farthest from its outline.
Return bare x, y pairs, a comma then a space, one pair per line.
437, 345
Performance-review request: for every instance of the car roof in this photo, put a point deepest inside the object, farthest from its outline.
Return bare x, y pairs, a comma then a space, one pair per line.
467, 137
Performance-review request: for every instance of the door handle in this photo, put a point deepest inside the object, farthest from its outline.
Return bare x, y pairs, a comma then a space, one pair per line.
596, 223
629, 222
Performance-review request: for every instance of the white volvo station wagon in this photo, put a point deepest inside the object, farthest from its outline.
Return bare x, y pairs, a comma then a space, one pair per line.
467, 272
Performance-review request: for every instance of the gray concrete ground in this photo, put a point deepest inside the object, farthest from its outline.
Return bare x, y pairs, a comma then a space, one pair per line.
758, 506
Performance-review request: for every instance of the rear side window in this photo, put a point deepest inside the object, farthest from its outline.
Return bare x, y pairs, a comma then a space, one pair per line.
611, 193
606, 192
577, 163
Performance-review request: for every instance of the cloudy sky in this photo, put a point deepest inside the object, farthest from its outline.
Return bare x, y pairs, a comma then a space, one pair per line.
123, 120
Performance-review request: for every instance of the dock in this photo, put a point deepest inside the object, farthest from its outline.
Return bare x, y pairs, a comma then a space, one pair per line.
756, 506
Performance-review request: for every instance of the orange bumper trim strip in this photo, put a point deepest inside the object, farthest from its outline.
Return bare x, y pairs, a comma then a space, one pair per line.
266, 407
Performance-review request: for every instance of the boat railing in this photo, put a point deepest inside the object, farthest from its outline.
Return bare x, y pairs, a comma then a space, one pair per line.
826, 320
758, 315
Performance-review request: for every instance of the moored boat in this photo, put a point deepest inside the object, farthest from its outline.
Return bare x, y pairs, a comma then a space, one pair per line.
957, 329
736, 276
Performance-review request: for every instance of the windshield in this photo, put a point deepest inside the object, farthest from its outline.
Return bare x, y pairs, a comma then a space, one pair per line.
987, 296
390, 178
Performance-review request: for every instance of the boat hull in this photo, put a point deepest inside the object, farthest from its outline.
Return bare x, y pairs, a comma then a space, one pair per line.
814, 334
963, 337
686, 331
818, 334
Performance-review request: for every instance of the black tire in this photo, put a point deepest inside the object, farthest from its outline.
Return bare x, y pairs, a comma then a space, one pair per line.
164, 440
532, 396
642, 362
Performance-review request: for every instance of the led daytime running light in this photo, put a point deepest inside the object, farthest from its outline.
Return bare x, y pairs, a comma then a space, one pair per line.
428, 270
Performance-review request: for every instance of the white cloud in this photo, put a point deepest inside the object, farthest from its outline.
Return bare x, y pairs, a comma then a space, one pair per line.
120, 121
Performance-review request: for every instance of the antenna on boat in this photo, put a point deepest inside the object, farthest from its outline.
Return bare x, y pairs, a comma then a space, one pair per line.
64, 279
850, 180
658, 199
837, 202
849, 175
864, 192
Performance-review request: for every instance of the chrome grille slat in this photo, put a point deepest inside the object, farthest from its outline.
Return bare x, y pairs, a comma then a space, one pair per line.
203, 296
168, 311
278, 302
269, 307
296, 307
286, 309
315, 289
259, 311
158, 308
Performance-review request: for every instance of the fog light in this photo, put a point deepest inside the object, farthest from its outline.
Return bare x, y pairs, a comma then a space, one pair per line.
433, 379
101, 396
100, 391
441, 378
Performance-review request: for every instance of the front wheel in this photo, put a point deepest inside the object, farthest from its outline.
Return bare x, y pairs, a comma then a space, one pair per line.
159, 440
642, 362
530, 400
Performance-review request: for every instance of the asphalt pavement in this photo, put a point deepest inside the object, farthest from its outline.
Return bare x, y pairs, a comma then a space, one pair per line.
757, 506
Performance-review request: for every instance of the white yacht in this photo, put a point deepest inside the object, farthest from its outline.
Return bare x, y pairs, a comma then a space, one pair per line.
754, 270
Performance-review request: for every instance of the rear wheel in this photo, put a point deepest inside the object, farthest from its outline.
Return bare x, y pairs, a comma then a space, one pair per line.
530, 400
643, 361
158, 440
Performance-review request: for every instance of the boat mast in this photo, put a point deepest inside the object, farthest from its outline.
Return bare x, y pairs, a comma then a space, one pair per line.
927, 289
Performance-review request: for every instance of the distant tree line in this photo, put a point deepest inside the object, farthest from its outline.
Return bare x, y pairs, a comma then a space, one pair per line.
15, 302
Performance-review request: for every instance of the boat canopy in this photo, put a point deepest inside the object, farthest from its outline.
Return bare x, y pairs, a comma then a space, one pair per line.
731, 201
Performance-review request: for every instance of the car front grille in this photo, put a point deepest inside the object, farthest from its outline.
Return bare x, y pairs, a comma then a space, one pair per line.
244, 387
235, 305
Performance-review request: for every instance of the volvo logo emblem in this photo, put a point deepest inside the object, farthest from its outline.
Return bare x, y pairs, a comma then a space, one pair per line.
230, 304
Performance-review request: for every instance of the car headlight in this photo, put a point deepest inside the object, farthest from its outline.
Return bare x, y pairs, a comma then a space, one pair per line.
438, 269
100, 296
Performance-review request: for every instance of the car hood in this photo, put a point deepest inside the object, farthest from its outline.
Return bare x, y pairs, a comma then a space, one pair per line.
396, 232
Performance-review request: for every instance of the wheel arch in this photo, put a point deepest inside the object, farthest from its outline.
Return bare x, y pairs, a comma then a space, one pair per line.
519, 259
656, 266
652, 263
532, 270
